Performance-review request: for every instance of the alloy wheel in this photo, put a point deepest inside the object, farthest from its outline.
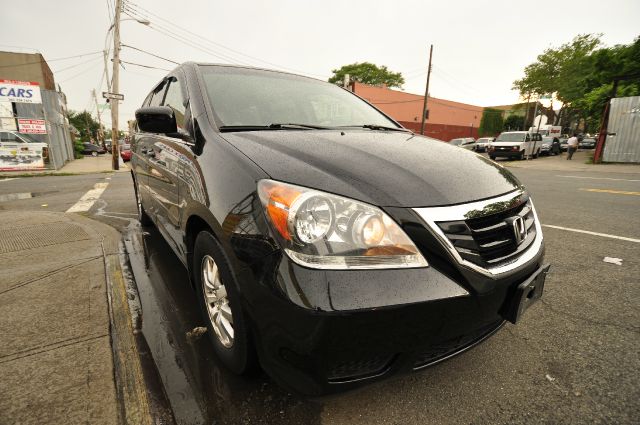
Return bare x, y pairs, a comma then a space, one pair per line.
217, 302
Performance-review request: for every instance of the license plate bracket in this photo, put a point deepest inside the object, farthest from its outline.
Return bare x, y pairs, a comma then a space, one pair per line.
525, 295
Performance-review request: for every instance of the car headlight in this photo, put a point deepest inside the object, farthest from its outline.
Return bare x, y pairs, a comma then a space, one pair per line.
325, 231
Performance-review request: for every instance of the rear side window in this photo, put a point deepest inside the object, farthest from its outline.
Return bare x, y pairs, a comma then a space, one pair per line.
175, 99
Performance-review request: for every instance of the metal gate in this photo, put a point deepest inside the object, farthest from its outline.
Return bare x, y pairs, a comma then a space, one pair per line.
623, 138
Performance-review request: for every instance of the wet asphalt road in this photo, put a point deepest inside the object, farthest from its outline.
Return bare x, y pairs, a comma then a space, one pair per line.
575, 358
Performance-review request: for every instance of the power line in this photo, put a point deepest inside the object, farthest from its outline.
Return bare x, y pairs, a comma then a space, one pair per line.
178, 37
136, 9
78, 74
73, 66
149, 53
50, 60
144, 66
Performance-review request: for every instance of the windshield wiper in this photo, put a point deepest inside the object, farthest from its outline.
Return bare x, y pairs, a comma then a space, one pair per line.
379, 127
273, 126
295, 125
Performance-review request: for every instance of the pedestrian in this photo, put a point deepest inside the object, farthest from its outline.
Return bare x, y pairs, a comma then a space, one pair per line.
555, 146
572, 145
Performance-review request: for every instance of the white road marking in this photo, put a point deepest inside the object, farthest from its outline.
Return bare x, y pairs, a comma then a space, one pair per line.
12, 178
613, 260
604, 235
88, 199
599, 178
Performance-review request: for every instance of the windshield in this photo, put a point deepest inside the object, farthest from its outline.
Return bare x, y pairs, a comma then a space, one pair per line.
456, 142
510, 137
250, 97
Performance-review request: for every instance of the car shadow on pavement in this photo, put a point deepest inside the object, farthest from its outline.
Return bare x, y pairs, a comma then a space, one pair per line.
198, 387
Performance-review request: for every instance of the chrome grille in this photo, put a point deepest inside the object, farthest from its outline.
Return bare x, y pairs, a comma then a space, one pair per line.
491, 240
480, 234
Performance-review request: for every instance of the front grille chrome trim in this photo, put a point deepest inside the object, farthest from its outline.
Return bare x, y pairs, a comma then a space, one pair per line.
432, 215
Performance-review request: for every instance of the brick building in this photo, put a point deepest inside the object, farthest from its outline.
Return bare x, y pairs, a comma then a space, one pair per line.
447, 119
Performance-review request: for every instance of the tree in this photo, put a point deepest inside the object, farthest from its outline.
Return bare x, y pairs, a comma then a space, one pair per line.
580, 75
514, 122
367, 73
491, 122
85, 124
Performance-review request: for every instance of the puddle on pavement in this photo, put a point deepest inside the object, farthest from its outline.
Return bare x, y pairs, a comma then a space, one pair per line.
200, 390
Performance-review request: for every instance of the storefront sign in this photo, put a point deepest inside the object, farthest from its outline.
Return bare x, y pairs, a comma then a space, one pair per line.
32, 126
20, 91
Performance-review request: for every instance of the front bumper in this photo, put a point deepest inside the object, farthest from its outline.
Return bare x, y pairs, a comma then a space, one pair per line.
324, 331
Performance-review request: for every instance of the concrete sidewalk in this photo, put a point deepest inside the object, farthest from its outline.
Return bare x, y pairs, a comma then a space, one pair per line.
577, 164
56, 359
86, 165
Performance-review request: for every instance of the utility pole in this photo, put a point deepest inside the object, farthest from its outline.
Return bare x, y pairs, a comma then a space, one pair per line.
426, 93
115, 148
101, 131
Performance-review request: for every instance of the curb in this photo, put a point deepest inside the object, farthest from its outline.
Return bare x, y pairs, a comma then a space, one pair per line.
139, 388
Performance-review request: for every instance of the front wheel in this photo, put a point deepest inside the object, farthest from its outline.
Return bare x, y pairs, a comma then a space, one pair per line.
220, 305
493, 158
521, 156
94, 153
537, 154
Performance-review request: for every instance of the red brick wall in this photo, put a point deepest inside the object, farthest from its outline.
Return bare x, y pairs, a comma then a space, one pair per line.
444, 132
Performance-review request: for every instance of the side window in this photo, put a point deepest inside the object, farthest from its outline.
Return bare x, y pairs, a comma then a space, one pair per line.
527, 138
176, 101
158, 94
10, 137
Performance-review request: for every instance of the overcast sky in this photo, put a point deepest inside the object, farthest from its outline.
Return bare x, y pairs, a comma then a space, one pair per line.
480, 47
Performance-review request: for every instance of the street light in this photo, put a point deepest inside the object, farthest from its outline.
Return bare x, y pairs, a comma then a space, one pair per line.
115, 148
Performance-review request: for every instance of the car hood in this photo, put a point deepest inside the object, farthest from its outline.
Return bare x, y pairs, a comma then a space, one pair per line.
378, 167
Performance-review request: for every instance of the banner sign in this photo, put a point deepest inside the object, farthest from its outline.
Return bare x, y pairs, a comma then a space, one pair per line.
32, 126
20, 91
22, 156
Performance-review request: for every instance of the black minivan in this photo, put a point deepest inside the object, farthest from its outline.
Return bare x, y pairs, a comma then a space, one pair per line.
325, 242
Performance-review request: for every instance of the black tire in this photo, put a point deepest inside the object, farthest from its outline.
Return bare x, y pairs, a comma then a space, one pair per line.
143, 217
493, 158
521, 156
537, 154
240, 358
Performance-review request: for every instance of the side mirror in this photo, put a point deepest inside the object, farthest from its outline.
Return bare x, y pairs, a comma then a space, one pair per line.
156, 119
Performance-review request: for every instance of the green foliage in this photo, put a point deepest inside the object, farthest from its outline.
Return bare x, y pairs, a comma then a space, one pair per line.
580, 74
513, 122
491, 122
77, 149
85, 124
367, 73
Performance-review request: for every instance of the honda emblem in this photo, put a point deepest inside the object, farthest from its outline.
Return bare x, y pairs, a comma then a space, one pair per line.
519, 229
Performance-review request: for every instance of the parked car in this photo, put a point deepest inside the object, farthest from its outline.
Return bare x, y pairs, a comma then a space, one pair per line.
465, 142
9, 139
125, 152
483, 142
91, 149
323, 238
587, 143
516, 144
564, 146
108, 143
19, 148
550, 146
